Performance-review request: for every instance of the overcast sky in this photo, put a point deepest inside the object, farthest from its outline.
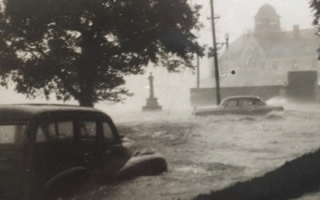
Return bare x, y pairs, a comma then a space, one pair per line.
237, 15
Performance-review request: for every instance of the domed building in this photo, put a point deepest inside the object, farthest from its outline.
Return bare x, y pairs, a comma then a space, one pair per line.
263, 58
267, 21
268, 52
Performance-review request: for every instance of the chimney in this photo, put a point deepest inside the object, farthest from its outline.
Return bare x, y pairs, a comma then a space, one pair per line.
296, 32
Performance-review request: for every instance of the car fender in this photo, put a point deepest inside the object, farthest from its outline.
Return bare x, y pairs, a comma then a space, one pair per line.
72, 177
143, 165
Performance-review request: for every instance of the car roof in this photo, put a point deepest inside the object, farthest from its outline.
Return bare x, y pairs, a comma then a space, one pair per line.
242, 97
12, 112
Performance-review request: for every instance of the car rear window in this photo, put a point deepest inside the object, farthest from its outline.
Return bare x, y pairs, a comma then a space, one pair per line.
12, 133
248, 102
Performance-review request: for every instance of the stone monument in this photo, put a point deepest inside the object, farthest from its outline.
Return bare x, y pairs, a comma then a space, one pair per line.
152, 102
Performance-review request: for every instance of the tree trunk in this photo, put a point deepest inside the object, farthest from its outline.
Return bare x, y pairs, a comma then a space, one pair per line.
86, 89
87, 72
85, 101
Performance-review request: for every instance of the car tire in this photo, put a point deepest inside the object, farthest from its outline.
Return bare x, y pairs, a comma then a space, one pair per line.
64, 185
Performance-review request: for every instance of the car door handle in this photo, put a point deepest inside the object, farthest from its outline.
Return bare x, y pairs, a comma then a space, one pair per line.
108, 151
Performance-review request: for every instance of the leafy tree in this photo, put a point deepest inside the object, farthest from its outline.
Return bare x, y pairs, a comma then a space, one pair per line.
82, 49
315, 6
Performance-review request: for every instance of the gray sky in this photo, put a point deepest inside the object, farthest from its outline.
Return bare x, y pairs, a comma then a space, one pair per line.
237, 15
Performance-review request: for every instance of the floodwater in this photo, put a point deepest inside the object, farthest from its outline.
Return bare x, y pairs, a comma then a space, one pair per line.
210, 153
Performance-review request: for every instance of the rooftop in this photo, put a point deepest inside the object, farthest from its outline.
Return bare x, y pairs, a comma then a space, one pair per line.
242, 97
12, 112
267, 11
284, 46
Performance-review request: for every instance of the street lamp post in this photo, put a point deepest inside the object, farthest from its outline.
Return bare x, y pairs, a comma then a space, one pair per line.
227, 40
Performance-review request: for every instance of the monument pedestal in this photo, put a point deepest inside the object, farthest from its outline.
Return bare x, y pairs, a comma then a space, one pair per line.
152, 104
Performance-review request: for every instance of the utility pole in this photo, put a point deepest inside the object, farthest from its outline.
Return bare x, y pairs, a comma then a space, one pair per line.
215, 55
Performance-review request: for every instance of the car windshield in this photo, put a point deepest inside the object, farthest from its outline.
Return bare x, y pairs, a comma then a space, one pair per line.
12, 133
223, 102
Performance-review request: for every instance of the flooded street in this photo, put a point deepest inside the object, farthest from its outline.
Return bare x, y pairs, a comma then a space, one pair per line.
210, 153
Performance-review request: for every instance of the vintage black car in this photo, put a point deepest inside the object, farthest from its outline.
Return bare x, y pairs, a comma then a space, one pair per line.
45, 147
245, 105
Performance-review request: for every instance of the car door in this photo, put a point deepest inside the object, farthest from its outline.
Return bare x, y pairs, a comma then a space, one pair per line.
259, 107
232, 107
12, 157
89, 148
100, 146
247, 106
115, 155
54, 148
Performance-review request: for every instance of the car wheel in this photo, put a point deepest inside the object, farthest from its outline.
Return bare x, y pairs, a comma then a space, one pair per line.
64, 186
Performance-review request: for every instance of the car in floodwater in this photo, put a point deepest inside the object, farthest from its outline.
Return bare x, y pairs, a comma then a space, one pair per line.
46, 150
243, 105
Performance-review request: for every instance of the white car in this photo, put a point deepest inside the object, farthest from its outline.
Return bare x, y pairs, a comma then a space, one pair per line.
239, 105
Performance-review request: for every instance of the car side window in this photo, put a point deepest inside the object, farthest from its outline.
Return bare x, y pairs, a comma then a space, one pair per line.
46, 132
107, 131
54, 130
88, 129
232, 103
12, 134
247, 102
65, 129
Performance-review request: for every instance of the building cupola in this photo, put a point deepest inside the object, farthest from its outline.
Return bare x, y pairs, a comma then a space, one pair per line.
267, 21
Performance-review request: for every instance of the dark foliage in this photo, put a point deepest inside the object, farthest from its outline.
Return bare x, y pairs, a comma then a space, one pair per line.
82, 49
315, 6
292, 180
